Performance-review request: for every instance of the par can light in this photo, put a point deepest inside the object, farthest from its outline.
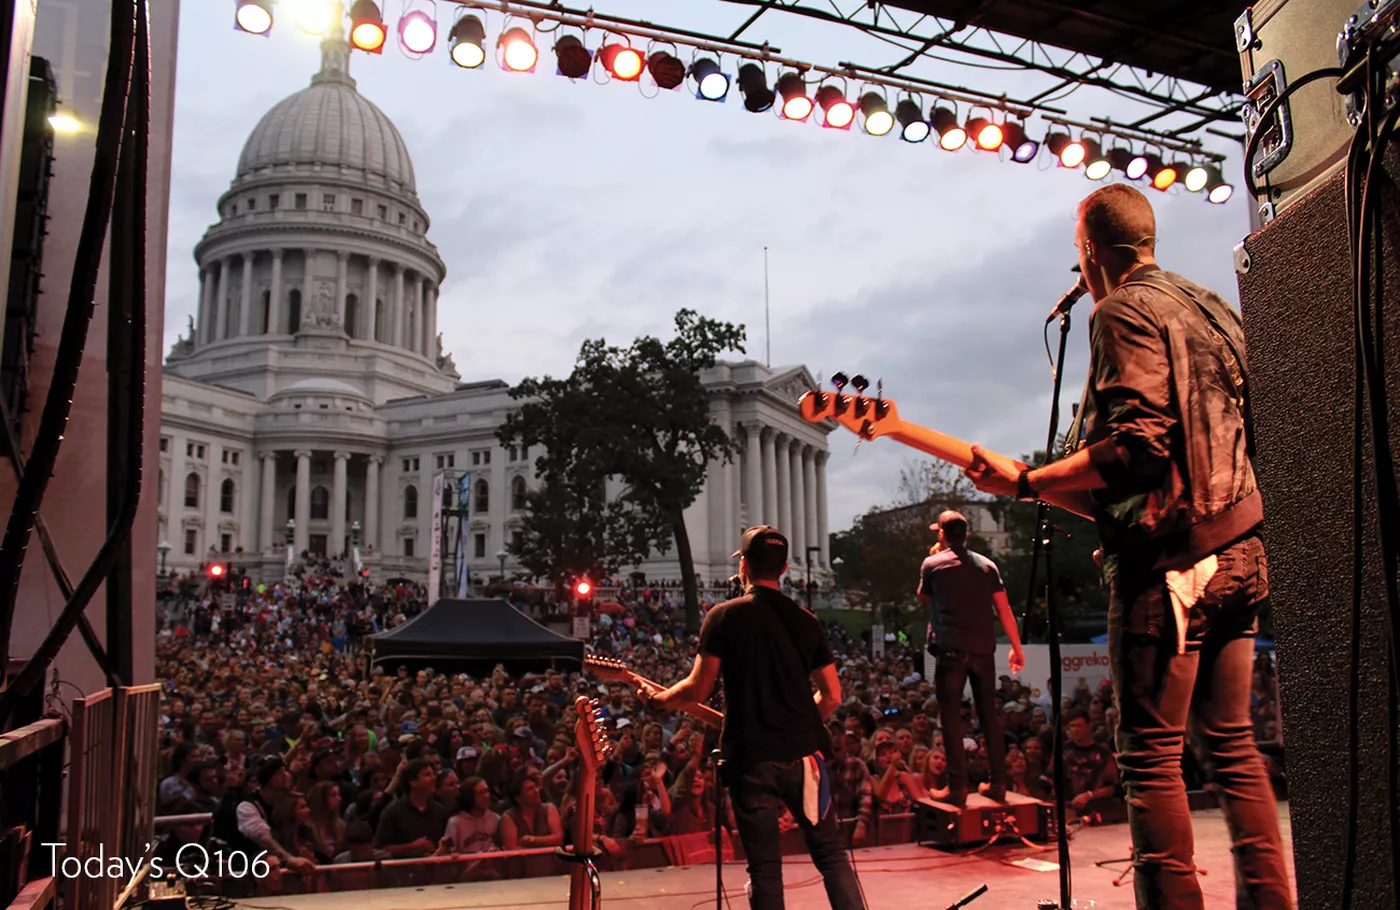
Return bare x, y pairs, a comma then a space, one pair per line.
1161, 175
1097, 165
753, 85
313, 16
574, 59
796, 104
710, 83
520, 55
468, 43
951, 135
418, 32
623, 61
1070, 153
878, 120
838, 112
367, 32
1217, 190
1195, 179
666, 70
253, 16
985, 134
912, 125
1023, 148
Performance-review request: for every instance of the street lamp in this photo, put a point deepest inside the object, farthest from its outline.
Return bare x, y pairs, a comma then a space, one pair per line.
164, 548
807, 556
501, 555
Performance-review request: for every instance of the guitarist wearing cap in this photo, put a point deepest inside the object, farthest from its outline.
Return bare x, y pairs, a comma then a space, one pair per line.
770, 652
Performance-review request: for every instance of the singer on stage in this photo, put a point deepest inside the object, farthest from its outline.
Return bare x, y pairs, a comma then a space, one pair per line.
771, 652
1164, 466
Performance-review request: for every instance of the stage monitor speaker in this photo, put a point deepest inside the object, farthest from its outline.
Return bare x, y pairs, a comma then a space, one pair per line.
1280, 41
1296, 297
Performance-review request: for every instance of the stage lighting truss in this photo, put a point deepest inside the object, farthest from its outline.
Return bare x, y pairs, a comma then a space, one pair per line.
253, 16
1005, 124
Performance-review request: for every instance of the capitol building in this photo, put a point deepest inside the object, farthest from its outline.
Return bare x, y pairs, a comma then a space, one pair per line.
312, 401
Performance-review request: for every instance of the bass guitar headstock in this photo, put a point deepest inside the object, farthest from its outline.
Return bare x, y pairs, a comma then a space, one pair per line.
868, 418
593, 744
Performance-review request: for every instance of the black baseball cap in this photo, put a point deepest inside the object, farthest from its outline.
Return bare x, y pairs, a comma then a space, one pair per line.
765, 548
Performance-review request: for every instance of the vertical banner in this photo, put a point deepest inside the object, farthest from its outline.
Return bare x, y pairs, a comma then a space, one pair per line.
877, 641
435, 542
464, 486
582, 627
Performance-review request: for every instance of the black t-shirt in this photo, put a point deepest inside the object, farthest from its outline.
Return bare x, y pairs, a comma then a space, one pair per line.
768, 647
962, 585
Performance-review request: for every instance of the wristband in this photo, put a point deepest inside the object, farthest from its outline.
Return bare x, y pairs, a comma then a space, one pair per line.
1024, 491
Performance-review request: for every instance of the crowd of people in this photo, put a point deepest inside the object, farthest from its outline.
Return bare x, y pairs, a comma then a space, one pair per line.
272, 724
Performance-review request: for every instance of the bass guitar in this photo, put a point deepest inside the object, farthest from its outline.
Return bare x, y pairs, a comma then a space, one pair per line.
610, 670
593, 748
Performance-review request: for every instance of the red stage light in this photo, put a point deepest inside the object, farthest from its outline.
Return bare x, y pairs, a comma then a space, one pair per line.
216, 571
520, 52
367, 27
583, 589
624, 62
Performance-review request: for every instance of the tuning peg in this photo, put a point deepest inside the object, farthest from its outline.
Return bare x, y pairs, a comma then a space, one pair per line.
839, 380
860, 382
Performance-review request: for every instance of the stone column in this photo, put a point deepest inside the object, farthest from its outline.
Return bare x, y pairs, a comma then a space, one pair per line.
204, 318
268, 505
245, 301
770, 480
372, 501
809, 502
823, 532
342, 260
784, 498
338, 488
797, 537
371, 306
396, 315
420, 329
220, 302
274, 304
432, 320
302, 537
753, 463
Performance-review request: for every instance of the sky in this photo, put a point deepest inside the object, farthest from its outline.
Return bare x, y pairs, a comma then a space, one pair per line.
570, 210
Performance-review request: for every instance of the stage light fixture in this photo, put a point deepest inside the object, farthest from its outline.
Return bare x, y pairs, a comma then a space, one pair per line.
1023, 148
521, 55
623, 61
367, 32
1070, 153
1122, 159
912, 125
63, 123
710, 83
468, 43
796, 104
574, 59
418, 32
876, 110
1097, 165
753, 85
582, 588
1161, 175
1137, 167
838, 112
666, 70
314, 16
1195, 178
985, 134
253, 16
951, 135
1217, 190
216, 570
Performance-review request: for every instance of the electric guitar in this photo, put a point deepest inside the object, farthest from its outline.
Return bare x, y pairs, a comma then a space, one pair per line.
606, 668
871, 418
593, 748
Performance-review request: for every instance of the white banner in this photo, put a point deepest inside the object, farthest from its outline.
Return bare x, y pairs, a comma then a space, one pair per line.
464, 485
1077, 662
582, 627
435, 543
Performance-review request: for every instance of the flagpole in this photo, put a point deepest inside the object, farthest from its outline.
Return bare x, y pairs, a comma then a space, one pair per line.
767, 328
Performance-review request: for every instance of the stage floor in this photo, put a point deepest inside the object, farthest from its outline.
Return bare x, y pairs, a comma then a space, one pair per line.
903, 877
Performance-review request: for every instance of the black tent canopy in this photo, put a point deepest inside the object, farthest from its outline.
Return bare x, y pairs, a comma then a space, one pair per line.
467, 635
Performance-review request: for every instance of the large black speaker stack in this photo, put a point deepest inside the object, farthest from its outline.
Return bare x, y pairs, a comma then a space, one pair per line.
1297, 298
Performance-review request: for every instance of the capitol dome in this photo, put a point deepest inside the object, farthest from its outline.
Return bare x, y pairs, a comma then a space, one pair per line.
329, 126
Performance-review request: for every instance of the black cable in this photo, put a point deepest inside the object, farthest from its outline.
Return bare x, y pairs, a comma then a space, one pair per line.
29, 495
32, 673
851, 852
1330, 72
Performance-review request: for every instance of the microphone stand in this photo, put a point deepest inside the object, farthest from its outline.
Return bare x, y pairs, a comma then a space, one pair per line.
718, 762
1043, 545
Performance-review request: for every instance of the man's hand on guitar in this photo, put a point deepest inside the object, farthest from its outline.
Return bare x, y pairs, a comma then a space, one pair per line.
993, 473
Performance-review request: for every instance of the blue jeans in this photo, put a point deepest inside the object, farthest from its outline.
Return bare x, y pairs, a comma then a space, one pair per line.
1159, 691
760, 792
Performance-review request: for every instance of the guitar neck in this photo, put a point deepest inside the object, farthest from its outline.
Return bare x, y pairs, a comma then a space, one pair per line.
939, 445
579, 884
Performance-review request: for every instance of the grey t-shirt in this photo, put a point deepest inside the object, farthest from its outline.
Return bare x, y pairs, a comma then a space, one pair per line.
963, 614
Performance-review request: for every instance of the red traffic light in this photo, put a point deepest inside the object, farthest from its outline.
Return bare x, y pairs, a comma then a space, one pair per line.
216, 571
583, 589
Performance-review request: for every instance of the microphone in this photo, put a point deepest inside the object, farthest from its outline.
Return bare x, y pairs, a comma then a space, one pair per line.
1069, 300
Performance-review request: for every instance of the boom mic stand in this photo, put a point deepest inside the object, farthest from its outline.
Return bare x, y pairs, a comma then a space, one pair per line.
1043, 545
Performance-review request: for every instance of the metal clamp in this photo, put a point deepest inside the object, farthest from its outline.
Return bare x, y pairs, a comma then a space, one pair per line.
1242, 260
1267, 83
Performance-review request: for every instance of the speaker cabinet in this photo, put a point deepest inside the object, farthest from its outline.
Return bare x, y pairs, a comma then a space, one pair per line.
1296, 297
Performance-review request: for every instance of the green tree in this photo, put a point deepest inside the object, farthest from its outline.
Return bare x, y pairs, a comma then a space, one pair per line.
640, 416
